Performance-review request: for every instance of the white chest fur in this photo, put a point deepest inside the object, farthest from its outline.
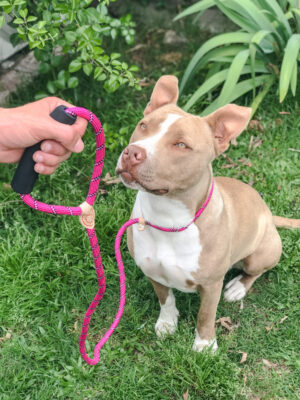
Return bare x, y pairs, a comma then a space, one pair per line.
166, 257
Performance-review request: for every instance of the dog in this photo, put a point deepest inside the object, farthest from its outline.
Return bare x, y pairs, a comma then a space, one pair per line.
168, 160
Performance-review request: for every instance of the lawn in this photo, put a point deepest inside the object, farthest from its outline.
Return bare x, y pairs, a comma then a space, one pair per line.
48, 280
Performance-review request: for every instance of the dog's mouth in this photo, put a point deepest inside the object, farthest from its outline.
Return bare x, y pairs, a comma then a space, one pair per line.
130, 180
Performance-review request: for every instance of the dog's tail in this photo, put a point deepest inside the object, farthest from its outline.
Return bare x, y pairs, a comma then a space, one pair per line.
287, 223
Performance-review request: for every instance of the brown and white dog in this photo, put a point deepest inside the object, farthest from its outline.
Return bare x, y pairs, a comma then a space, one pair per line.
168, 161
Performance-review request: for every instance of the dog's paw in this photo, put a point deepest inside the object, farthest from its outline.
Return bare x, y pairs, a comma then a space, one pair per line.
204, 344
165, 327
235, 290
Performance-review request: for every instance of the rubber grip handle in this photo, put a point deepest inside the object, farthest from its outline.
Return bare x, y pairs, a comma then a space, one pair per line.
25, 175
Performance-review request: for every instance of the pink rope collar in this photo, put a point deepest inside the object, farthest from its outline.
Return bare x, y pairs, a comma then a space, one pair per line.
90, 199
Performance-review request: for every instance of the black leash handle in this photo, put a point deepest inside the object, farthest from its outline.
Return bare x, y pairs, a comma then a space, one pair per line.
25, 176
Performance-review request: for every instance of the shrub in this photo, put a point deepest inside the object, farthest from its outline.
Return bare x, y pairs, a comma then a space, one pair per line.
71, 35
263, 53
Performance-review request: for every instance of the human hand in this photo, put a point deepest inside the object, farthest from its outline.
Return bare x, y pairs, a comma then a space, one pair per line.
24, 126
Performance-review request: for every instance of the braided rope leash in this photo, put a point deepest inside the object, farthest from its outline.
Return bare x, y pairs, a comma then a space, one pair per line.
87, 218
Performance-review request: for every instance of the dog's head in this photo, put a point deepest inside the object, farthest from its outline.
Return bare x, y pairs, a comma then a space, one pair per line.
170, 149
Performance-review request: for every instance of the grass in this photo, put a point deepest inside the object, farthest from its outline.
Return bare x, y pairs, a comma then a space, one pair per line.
47, 281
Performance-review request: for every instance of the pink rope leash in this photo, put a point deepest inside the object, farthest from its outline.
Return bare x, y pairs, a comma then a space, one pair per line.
90, 199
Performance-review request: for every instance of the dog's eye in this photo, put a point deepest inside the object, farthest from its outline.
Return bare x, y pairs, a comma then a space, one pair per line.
181, 145
143, 125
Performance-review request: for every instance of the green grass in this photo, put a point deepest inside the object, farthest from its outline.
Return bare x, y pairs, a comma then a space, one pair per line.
47, 282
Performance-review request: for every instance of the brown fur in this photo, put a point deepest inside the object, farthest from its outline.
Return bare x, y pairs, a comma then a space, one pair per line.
236, 227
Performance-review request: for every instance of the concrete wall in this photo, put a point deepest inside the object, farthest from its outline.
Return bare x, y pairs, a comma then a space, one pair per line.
6, 48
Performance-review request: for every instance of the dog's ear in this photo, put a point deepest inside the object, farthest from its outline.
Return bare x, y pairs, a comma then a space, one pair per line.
164, 92
227, 123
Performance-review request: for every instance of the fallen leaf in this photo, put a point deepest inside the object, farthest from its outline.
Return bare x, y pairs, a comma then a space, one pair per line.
245, 162
254, 142
268, 328
172, 58
75, 326
7, 186
111, 180
185, 395
145, 82
284, 113
227, 323
278, 187
274, 68
137, 48
297, 150
278, 121
268, 363
244, 356
283, 319
102, 191
242, 303
8, 335
255, 124
227, 166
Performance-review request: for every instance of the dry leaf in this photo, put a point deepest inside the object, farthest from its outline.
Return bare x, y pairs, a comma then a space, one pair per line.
278, 121
8, 335
75, 326
245, 162
268, 328
227, 166
111, 180
172, 58
226, 323
254, 142
242, 302
284, 113
269, 364
244, 356
185, 395
278, 187
283, 319
274, 68
255, 124
102, 191
7, 186
145, 83
297, 150
137, 48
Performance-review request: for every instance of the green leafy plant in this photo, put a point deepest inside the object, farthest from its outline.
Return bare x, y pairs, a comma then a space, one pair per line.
264, 52
69, 36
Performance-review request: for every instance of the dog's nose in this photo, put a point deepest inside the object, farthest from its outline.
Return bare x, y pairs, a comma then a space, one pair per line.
133, 155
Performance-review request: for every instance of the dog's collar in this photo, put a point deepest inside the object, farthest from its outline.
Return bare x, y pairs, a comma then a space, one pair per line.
142, 222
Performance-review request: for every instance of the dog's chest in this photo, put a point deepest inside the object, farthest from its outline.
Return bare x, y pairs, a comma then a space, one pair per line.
166, 257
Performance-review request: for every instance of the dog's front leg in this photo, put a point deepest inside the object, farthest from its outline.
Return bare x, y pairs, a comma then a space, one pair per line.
167, 320
205, 331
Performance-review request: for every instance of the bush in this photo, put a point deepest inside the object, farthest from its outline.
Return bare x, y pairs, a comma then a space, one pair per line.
264, 51
71, 35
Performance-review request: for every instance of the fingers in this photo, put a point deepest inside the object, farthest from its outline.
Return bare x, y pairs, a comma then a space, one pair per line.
68, 135
53, 147
44, 169
46, 162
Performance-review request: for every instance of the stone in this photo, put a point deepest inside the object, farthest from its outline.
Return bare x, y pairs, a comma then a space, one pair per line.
173, 39
214, 22
8, 64
25, 67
